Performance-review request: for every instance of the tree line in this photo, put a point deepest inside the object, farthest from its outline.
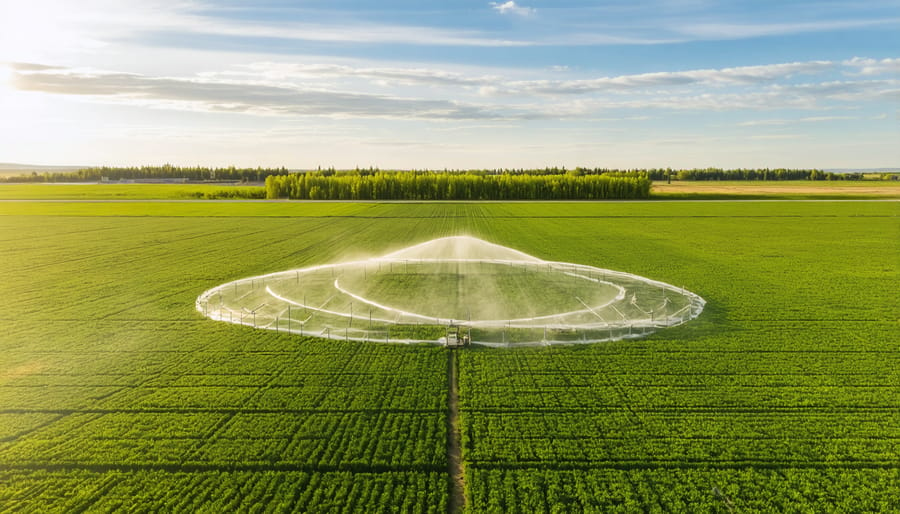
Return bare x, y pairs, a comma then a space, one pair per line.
233, 174
167, 171
430, 185
750, 174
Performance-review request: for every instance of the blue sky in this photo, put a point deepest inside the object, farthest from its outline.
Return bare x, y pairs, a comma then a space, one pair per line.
464, 84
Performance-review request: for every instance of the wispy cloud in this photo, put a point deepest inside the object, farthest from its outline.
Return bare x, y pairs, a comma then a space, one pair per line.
97, 23
725, 31
786, 121
193, 18
288, 71
511, 7
255, 99
740, 75
344, 33
778, 137
868, 67
30, 66
492, 84
343, 91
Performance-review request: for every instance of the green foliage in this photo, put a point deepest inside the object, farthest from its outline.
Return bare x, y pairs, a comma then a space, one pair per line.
684, 490
129, 192
455, 186
766, 174
163, 173
778, 174
116, 394
155, 490
199, 173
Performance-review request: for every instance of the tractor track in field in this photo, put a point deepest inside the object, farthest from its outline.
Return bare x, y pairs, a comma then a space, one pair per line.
454, 444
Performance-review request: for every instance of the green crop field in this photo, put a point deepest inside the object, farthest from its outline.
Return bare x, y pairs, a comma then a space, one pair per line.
115, 393
94, 191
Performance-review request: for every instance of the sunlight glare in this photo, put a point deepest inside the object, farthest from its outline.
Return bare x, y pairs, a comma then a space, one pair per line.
6, 77
35, 30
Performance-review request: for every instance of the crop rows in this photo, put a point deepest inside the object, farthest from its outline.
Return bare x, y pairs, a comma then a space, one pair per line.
115, 392
684, 490
222, 491
783, 393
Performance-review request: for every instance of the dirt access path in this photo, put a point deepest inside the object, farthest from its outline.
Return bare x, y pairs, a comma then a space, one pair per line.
454, 444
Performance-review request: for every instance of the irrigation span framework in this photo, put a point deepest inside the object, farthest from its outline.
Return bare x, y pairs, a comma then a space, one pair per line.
495, 296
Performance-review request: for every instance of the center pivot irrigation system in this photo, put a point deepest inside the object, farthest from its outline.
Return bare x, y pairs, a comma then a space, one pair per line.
454, 291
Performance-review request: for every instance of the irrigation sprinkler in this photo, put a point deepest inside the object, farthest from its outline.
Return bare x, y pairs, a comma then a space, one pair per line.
492, 288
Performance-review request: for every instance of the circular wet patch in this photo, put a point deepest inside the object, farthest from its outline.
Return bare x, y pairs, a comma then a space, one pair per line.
454, 288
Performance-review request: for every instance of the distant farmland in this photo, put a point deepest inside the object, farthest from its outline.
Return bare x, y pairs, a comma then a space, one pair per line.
783, 394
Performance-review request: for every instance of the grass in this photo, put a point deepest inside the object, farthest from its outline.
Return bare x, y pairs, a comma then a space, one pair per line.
687, 190
93, 191
783, 394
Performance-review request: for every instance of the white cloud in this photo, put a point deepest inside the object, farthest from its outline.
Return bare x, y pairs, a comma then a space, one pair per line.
723, 31
511, 7
345, 33
252, 98
782, 122
388, 75
341, 91
745, 75
868, 67
497, 85
46, 29
778, 137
